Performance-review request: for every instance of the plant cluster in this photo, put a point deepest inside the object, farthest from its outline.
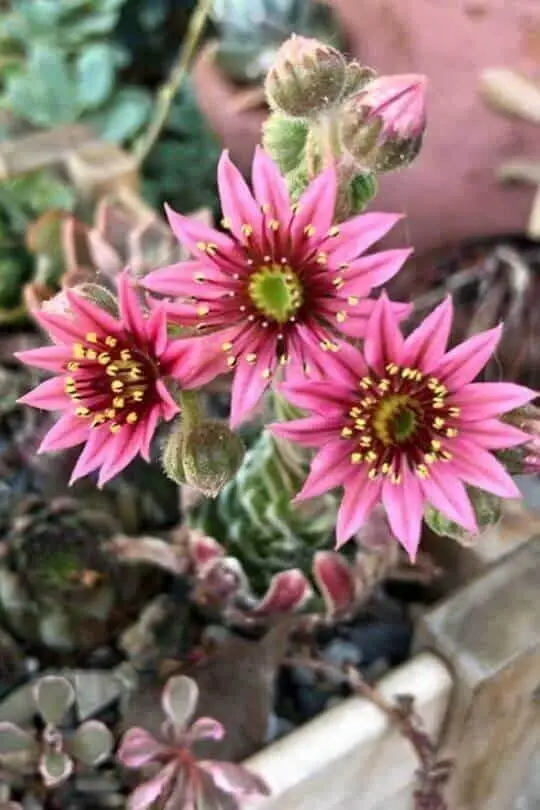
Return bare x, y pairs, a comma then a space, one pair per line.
390, 427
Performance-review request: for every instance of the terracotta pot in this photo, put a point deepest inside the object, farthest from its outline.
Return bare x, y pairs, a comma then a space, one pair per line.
450, 193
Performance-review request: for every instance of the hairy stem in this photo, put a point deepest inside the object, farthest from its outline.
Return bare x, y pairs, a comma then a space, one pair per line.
174, 81
191, 409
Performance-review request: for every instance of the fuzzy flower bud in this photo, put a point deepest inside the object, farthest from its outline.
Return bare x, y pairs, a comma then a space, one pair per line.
487, 509
206, 456
382, 126
307, 77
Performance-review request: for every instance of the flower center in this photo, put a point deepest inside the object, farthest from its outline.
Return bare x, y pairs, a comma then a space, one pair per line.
403, 415
396, 419
109, 383
276, 291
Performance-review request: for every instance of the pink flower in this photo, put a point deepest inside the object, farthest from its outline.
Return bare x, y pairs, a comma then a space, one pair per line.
110, 379
282, 283
399, 101
404, 424
181, 780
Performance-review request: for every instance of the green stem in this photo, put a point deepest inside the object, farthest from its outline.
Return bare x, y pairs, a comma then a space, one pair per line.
174, 81
191, 409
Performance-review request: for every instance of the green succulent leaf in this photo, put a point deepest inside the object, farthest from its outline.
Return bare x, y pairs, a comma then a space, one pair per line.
54, 697
92, 743
96, 72
46, 95
124, 116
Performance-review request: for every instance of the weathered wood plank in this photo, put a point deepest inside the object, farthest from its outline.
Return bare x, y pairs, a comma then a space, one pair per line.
489, 633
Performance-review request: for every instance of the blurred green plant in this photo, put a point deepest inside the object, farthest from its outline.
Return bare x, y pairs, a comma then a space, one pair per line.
251, 32
22, 200
59, 64
181, 168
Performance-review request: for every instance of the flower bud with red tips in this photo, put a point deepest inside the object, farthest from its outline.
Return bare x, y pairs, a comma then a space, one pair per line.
336, 583
288, 592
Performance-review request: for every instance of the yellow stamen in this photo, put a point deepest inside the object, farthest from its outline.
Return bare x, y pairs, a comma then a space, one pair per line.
131, 418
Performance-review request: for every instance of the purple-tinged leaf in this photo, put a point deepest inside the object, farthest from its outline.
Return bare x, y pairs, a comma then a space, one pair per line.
206, 728
179, 700
55, 768
54, 697
147, 793
138, 748
335, 581
288, 592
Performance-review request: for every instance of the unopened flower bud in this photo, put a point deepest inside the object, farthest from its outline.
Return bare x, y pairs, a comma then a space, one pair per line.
383, 125
206, 456
487, 509
307, 77
59, 303
357, 77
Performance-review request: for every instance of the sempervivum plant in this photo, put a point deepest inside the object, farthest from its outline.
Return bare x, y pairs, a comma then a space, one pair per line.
251, 32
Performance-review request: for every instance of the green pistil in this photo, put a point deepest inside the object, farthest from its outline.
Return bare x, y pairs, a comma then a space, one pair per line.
276, 292
404, 425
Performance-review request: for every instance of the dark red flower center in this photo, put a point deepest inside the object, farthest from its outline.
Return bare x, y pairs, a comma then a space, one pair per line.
110, 382
402, 414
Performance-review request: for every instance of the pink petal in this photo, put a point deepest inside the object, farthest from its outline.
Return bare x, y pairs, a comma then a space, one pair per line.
206, 728
60, 327
237, 202
51, 358
310, 432
93, 454
170, 280
199, 361
67, 432
49, 396
249, 383
445, 492
318, 396
425, 347
462, 364
130, 309
372, 271
478, 467
235, 779
270, 187
287, 592
150, 427
91, 317
316, 208
484, 399
168, 405
147, 793
361, 495
189, 232
138, 748
156, 330
357, 235
404, 503
384, 342
124, 447
335, 581
328, 470
493, 434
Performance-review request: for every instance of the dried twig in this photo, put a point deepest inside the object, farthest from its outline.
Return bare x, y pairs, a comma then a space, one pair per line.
433, 773
175, 79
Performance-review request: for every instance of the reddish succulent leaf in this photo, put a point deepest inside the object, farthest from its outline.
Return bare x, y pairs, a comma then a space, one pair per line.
335, 581
288, 591
203, 548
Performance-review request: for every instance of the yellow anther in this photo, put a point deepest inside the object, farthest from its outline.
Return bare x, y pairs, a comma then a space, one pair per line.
135, 373
357, 458
322, 258
338, 282
211, 249
384, 385
422, 471
346, 433
266, 374
352, 300
125, 355
372, 474
247, 229
309, 230
119, 402
231, 361
111, 341
112, 370
396, 478
438, 423
366, 441
452, 433
92, 337
251, 358
117, 386
366, 382
355, 412
446, 456
226, 346
341, 316
132, 417
137, 395
79, 352
201, 246
110, 413
360, 424
104, 358
392, 369
114, 428
436, 444
454, 411
226, 223
202, 311
91, 354
371, 456
385, 469
73, 365
82, 411
334, 231
430, 458
98, 420
437, 404
274, 225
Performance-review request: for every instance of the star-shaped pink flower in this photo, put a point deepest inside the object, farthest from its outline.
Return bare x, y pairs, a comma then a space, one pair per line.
280, 287
110, 379
404, 424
